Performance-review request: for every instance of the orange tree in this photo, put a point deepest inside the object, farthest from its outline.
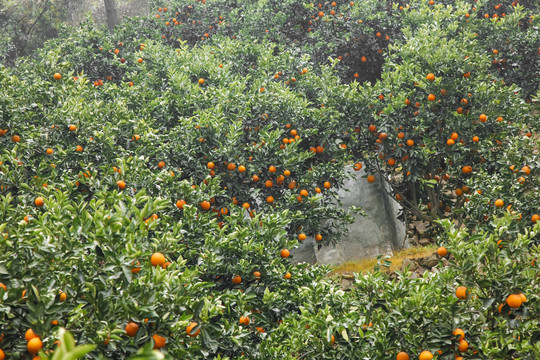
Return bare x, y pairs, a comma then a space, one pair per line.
439, 122
493, 314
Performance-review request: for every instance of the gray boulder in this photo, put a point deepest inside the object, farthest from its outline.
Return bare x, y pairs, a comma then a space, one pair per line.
378, 233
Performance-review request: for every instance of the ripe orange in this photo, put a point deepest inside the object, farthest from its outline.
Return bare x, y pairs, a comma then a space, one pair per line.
255, 178
72, 128
270, 199
499, 203
475, 139
410, 142
189, 329
136, 269
205, 205
159, 341
180, 203
327, 185
523, 297
460, 333
285, 253
454, 136
287, 276
535, 218
514, 301
371, 178
430, 77
57, 76
161, 164
318, 237
139, 60
63, 296
402, 356
431, 97
450, 142
272, 169
211, 165
287, 173
483, 118
157, 259
357, 166
244, 320
131, 329
121, 184
425, 355
302, 237
49, 151
79, 148
30, 334
241, 168
463, 345
466, 169
34, 345
201, 81
441, 251
526, 169
461, 292
268, 183
237, 280
39, 201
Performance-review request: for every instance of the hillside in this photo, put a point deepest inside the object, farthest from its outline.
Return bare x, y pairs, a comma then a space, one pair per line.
154, 180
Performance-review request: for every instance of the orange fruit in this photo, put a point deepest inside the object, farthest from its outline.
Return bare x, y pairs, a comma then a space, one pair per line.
371, 178
272, 169
255, 178
450, 142
237, 280
287, 275
287, 173
121, 184
136, 269
201, 81
270, 199
159, 341
523, 297
180, 203
483, 118
30, 334
231, 166
431, 97
402, 356
327, 185
257, 275
268, 183
441, 251
463, 345
430, 77
285, 253
72, 128
475, 139
57, 76
131, 329
79, 148
241, 168
461, 292
357, 166
49, 151
302, 237
466, 169
34, 345
318, 237
63, 296
161, 164
189, 329
244, 320
535, 218
454, 136
425, 355
526, 169
39, 201
499, 203
410, 142
514, 301
157, 259
205, 205
211, 165
460, 333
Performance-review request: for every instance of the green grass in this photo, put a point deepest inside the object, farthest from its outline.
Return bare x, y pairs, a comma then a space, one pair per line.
367, 265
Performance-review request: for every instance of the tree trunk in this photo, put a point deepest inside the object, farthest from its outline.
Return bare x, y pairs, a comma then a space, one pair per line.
112, 15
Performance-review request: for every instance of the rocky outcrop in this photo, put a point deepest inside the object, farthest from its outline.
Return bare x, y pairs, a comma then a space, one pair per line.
381, 231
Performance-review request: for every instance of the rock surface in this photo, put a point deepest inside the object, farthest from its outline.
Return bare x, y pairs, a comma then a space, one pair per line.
378, 233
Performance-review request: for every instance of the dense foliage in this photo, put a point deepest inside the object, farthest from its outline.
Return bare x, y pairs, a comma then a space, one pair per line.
153, 181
